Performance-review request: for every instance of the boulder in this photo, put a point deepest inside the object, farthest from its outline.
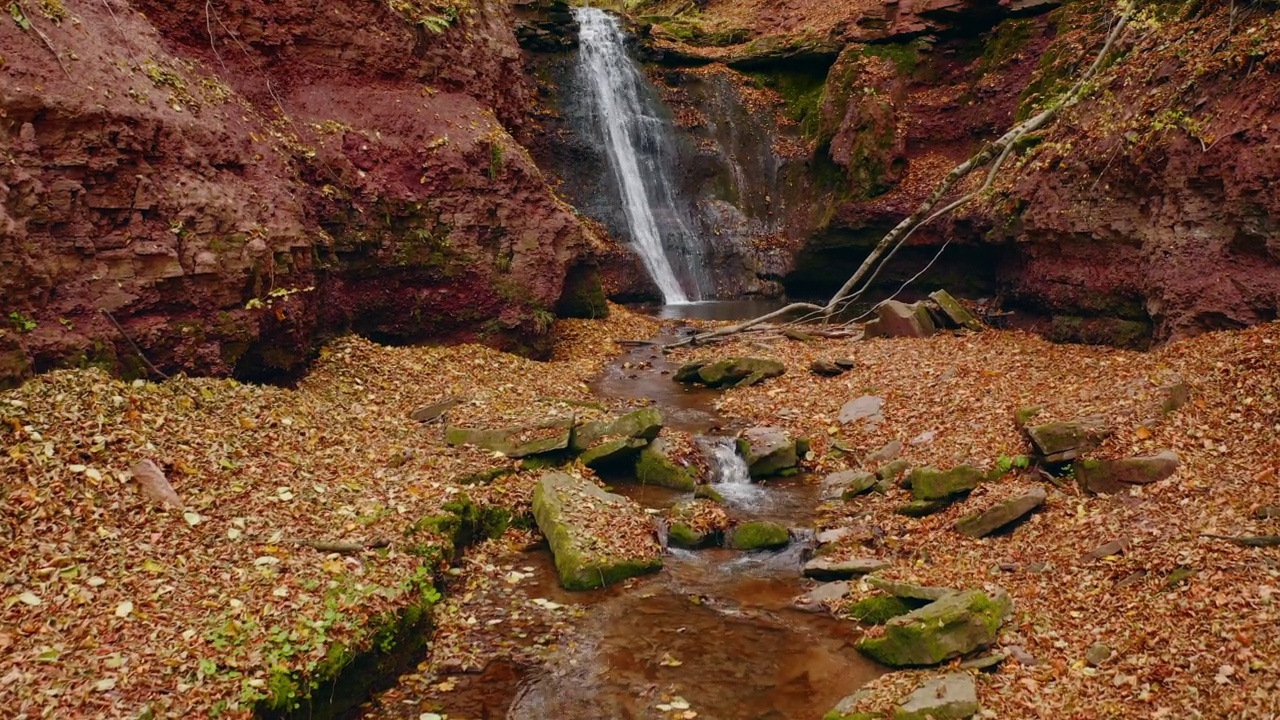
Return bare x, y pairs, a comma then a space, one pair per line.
909, 591
1024, 414
891, 450
865, 408
695, 524
759, 535
920, 508
612, 452
897, 319
891, 470
644, 424
878, 609
706, 492
656, 467
954, 625
955, 313
767, 450
984, 523
825, 368
515, 442
847, 484
584, 560
950, 697
1062, 441
824, 569
929, 483
846, 709
730, 372
1112, 476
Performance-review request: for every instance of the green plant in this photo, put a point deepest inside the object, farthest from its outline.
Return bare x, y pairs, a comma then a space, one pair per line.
23, 323
16, 13
543, 320
495, 158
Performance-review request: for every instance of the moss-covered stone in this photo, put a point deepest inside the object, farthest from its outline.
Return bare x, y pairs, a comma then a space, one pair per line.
612, 453
878, 609
920, 508
768, 451
730, 372
515, 442
949, 627
656, 467
892, 470
1061, 441
708, 492
759, 535
1112, 476
929, 483
644, 423
583, 561
954, 311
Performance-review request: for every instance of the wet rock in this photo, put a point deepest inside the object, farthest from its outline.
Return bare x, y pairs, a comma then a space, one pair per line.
825, 368
767, 450
866, 408
1061, 441
891, 450
759, 535
952, 626
585, 562
909, 591
955, 313
656, 467
950, 697
847, 484
644, 424
515, 442
822, 594
730, 372
707, 492
612, 452
1001, 514
431, 412
824, 569
920, 508
929, 483
878, 609
1097, 654
680, 530
1112, 476
897, 319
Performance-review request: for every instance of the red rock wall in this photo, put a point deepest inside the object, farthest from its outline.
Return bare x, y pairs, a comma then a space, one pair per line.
234, 182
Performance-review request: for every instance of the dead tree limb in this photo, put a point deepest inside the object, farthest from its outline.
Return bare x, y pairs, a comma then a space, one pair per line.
997, 151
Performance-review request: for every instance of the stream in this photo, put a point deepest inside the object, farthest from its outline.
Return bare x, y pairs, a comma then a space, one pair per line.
716, 629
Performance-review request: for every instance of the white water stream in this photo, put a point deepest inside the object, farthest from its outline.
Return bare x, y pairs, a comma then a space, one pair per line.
638, 143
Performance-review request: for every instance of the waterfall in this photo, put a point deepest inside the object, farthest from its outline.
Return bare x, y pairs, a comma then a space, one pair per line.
638, 143
729, 472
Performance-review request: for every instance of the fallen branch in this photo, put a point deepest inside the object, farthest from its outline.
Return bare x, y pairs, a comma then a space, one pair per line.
133, 345
337, 546
1247, 540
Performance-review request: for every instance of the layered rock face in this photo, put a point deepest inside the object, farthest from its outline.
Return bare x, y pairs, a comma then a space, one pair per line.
233, 183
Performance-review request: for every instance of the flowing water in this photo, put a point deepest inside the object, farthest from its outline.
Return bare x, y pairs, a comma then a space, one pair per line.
639, 145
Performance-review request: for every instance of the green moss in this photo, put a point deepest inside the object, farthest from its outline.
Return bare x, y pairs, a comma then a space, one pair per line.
759, 535
801, 96
1005, 40
682, 535
878, 609
654, 467
905, 56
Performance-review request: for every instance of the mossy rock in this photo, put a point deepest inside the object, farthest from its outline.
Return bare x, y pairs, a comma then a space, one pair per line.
585, 562
759, 535
921, 508
955, 313
655, 467
952, 626
768, 451
878, 609
515, 442
929, 483
708, 492
612, 453
643, 424
730, 372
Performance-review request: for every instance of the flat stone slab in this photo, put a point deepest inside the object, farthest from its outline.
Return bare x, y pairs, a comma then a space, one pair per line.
949, 627
954, 311
847, 484
1063, 441
642, 424
929, 483
826, 592
866, 408
612, 452
515, 442
586, 556
1113, 476
824, 569
999, 515
909, 591
950, 697
730, 372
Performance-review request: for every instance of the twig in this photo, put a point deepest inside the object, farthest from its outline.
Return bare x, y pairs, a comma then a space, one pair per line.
133, 345
43, 38
337, 546
1247, 540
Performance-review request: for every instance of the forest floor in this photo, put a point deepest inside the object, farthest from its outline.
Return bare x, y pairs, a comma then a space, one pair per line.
110, 605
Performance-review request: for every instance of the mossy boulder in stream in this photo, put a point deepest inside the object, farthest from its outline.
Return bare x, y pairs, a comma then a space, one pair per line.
642, 424
656, 467
596, 537
759, 535
952, 626
768, 451
729, 372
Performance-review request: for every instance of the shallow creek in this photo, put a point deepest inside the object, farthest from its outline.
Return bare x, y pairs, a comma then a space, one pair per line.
716, 628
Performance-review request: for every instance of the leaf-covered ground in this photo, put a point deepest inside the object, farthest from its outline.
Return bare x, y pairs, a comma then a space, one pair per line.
1193, 622
110, 605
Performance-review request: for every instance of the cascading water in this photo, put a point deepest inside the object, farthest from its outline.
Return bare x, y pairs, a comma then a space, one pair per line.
638, 143
729, 472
